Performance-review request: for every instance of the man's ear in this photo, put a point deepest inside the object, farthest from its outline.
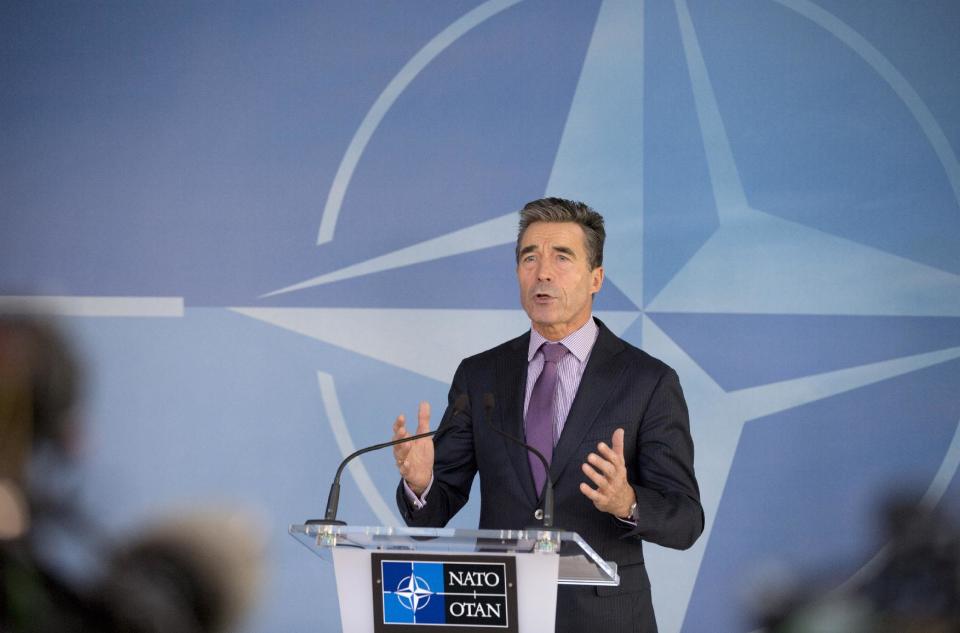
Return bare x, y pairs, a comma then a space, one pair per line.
597, 281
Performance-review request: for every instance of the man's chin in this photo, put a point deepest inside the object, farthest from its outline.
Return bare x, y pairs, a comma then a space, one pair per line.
542, 318
547, 327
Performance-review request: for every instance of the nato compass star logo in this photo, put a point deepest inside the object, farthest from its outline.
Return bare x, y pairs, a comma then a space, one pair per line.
763, 312
783, 207
413, 592
806, 333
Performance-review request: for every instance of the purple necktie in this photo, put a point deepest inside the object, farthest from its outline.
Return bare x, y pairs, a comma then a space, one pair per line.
540, 412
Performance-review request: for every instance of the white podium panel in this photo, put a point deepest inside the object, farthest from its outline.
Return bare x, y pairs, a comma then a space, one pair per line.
393, 580
536, 590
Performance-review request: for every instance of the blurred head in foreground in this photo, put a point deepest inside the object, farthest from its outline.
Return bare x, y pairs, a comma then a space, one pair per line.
195, 572
190, 573
39, 389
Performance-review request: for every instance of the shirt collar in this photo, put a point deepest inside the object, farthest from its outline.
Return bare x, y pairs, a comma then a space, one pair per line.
579, 342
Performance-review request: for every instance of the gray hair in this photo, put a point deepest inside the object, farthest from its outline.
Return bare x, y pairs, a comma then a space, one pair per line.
560, 210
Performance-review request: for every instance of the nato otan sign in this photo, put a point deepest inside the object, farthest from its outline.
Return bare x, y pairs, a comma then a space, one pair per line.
414, 593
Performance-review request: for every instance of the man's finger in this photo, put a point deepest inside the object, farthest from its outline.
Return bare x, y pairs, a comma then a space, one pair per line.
603, 465
609, 454
423, 417
590, 493
618, 442
596, 477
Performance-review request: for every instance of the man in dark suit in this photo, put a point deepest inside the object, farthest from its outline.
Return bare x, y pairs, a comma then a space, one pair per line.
610, 418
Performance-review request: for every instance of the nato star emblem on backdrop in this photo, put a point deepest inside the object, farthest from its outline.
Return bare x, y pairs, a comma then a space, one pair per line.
782, 201
787, 325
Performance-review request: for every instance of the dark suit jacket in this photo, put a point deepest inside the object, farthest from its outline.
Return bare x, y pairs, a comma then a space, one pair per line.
622, 386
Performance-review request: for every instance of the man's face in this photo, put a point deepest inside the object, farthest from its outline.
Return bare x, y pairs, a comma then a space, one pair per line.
556, 281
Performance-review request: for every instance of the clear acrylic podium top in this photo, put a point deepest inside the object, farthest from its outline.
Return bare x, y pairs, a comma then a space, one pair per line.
579, 563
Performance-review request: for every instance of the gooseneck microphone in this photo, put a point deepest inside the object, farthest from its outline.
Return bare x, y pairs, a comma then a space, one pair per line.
461, 404
547, 492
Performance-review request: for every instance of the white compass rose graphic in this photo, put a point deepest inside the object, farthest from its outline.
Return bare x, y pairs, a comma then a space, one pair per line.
413, 592
753, 262
598, 147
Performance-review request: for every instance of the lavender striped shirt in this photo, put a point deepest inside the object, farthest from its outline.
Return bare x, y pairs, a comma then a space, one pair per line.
569, 369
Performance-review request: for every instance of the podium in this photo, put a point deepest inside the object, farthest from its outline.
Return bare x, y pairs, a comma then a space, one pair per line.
406, 580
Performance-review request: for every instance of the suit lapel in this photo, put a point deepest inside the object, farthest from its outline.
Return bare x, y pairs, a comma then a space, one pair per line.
599, 380
511, 386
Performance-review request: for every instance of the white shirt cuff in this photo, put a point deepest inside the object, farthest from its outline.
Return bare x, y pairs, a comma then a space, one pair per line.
415, 501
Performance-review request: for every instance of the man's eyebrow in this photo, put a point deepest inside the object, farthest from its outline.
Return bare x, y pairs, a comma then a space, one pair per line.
566, 250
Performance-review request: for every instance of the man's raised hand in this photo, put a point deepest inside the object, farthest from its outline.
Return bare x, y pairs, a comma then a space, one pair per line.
414, 459
608, 471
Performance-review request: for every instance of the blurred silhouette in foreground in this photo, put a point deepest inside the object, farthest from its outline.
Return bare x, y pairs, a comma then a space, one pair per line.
193, 573
912, 587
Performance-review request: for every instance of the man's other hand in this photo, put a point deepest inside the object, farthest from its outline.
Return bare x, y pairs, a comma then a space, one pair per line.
414, 459
607, 470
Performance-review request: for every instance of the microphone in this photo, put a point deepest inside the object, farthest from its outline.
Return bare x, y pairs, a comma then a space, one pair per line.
461, 404
547, 492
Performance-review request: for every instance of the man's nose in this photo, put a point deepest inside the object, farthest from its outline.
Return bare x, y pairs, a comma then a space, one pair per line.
544, 271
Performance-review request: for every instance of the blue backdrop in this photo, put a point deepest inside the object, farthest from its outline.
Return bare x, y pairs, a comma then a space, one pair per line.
272, 227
